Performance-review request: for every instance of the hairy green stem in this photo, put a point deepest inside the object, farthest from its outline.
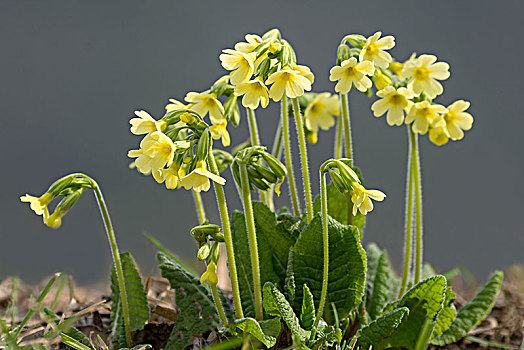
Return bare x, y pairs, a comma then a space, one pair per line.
199, 207
338, 137
276, 151
303, 159
255, 141
347, 125
226, 227
218, 303
325, 242
418, 205
408, 239
289, 163
252, 235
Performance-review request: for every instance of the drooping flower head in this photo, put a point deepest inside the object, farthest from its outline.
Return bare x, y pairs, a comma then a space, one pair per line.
423, 73
361, 198
145, 123
319, 113
38, 204
255, 93
423, 114
205, 102
198, 179
394, 101
289, 82
350, 73
374, 47
242, 65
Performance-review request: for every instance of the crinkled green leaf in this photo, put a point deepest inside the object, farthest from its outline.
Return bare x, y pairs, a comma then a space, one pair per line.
136, 297
326, 337
307, 314
380, 282
275, 236
446, 315
265, 331
378, 332
347, 266
424, 301
340, 206
276, 304
472, 313
196, 310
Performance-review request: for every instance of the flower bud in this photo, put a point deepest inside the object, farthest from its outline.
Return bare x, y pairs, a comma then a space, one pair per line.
347, 173
252, 173
381, 80
236, 173
60, 184
337, 180
355, 40
259, 183
205, 229
204, 143
203, 251
210, 275
271, 34
287, 55
214, 255
266, 174
275, 165
231, 109
312, 137
343, 53
54, 220
263, 67
220, 85
274, 48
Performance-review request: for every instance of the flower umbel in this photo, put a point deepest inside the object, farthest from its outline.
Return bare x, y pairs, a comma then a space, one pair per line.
394, 101
319, 113
287, 81
423, 74
350, 73
198, 179
361, 198
156, 151
374, 47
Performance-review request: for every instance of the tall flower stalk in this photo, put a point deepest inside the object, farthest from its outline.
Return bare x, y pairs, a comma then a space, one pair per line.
289, 162
344, 105
415, 160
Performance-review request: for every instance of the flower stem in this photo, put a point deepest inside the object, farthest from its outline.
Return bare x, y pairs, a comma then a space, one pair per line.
303, 159
214, 289
201, 213
325, 242
418, 205
347, 124
253, 245
116, 257
218, 303
409, 218
224, 217
289, 163
276, 151
255, 141
338, 138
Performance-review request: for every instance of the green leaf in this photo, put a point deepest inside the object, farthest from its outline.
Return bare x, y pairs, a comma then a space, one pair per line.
472, 313
378, 332
73, 343
276, 304
197, 312
340, 206
265, 331
446, 315
136, 297
275, 236
307, 314
347, 265
327, 336
380, 290
424, 301
64, 327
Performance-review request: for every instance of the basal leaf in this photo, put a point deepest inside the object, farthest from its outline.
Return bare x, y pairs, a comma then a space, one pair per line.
472, 313
276, 304
381, 287
197, 312
307, 314
347, 265
275, 236
424, 301
340, 206
378, 332
446, 315
265, 331
326, 337
136, 297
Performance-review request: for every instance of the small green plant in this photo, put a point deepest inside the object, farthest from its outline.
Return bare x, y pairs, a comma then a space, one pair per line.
300, 279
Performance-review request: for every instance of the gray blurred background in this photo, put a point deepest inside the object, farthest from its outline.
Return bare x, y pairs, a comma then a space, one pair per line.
72, 73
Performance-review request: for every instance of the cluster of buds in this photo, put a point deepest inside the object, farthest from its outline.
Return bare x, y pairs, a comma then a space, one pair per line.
406, 89
259, 176
175, 149
346, 180
69, 188
208, 251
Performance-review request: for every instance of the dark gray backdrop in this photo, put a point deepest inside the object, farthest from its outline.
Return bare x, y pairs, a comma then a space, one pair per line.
72, 73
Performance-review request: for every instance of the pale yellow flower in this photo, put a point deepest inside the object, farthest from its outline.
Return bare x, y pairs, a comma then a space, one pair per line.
175, 105
156, 151
210, 275
305, 71
361, 198
381, 80
319, 113
423, 114
205, 102
396, 67
457, 119
350, 73
219, 131
255, 92
55, 220
394, 101
198, 179
439, 135
168, 176
373, 50
145, 123
252, 41
242, 65
287, 81
38, 204
423, 74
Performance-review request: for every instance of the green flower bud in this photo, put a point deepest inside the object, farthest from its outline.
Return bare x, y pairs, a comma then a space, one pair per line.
259, 183
231, 109
60, 184
355, 40
55, 220
343, 53
271, 34
203, 146
263, 67
337, 180
275, 165
253, 173
347, 173
220, 85
203, 251
266, 174
236, 173
214, 254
